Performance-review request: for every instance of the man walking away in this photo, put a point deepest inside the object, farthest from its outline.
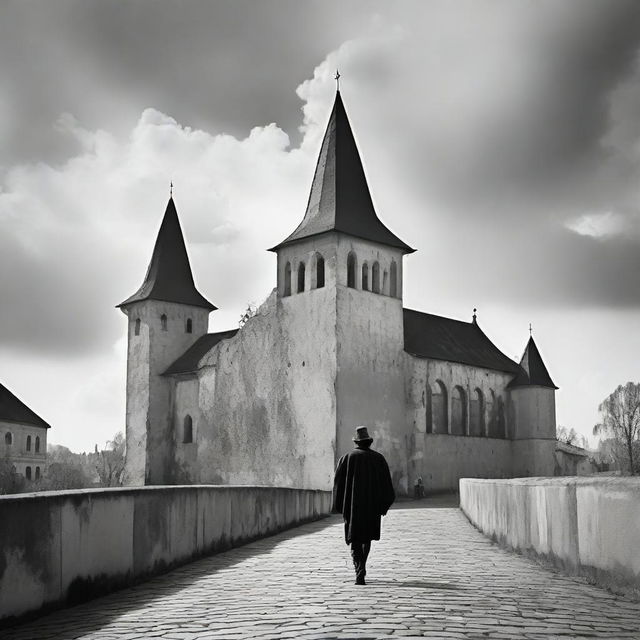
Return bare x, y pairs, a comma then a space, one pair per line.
362, 492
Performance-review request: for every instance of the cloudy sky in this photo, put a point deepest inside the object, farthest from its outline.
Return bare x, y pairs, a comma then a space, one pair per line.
501, 139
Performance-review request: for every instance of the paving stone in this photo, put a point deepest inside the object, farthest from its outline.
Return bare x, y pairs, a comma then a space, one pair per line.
431, 576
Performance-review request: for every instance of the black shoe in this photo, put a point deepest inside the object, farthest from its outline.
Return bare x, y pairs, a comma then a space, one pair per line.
360, 580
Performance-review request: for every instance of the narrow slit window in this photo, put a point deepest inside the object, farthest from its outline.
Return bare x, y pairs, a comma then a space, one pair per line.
365, 277
319, 272
189, 325
163, 322
393, 283
28, 473
28, 443
351, 270
287, 280
375, 277
37, 473
37, 444
187, 435
137, 327
8, 438
301, 274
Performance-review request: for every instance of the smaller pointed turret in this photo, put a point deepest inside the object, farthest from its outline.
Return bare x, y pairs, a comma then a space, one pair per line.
533, 371
169, 276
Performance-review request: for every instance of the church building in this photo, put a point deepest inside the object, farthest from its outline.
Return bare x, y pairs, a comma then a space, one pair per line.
276, 402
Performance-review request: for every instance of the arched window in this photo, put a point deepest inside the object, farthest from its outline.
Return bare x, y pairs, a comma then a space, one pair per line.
440, 413
301, 272
37, 473
163, 322
189, 325
491, 414
385, 282
137, 327
28, 473
287, 279
8, 438
393, 283
28, 443
458, 412
351, 270
365, 277
476, 406
375, 277
429, 409
501, 429
37, 444
187, 435
319, 271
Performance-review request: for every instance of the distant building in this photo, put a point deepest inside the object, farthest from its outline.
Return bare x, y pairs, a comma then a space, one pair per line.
572, 460
23, 436
277, 401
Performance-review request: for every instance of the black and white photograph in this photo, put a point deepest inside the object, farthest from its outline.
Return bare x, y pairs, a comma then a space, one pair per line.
319, 319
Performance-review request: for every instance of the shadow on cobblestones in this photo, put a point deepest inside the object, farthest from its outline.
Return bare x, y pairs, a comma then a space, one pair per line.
416, 584
92, 616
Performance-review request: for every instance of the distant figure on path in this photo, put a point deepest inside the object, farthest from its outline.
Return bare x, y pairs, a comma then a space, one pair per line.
418, 489
362, 492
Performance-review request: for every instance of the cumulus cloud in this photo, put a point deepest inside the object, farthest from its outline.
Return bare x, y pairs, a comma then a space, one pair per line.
77, 238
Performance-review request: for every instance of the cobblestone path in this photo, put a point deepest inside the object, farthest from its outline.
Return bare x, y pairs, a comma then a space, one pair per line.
432, 575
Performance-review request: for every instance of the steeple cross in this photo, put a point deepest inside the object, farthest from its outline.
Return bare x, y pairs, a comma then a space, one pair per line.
171, 189
530, 330
337, 79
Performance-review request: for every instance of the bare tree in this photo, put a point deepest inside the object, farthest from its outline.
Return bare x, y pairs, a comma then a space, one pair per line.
249, 312
110, 462
568, 436
621, 419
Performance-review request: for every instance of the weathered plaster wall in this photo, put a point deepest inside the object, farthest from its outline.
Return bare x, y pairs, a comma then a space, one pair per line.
534, 412
587, 526
149, 431
266, 396
442, 459
370, 382
60, 548
17, 454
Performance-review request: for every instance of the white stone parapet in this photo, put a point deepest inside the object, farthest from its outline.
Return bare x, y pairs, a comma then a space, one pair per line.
587, 526
62, 547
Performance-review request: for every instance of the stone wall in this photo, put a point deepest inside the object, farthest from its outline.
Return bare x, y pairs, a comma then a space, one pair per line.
60, 548
586, 526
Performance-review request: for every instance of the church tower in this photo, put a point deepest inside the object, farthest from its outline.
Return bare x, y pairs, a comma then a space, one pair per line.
534, 415
166, 316
342, 244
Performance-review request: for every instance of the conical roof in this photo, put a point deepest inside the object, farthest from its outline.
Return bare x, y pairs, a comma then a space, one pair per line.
169, 276
532, 369
340, 198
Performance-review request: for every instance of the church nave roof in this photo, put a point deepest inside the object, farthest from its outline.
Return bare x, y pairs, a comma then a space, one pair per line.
190, 359
439, 338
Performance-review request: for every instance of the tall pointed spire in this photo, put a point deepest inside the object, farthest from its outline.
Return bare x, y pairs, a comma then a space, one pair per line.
340, 198
533, 371
169, 276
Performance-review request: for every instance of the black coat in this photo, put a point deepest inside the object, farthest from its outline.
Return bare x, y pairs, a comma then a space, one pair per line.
362, 492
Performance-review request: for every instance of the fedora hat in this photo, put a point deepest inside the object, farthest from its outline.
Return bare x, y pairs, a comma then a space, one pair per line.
362, 435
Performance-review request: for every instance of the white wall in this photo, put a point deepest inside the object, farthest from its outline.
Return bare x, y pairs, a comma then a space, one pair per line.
587, 526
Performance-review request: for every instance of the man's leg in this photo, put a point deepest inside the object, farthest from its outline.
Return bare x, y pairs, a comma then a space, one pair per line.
358, 561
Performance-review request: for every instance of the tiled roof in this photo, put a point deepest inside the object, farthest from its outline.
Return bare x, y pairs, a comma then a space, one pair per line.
13, 409
169, 276
190, 359
435, 337
532, 369
340, 198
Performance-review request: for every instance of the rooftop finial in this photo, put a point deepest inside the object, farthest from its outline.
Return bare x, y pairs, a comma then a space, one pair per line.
171, 189
474, 314
337, 79
530, 330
